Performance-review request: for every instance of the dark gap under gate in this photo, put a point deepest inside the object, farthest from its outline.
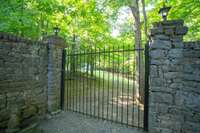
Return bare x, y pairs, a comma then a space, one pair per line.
101, 83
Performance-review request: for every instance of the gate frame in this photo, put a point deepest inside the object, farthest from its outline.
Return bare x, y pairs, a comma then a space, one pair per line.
62, 91
146, 89
146, 93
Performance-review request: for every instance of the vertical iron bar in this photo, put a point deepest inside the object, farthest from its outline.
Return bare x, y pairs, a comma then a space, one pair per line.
76, 80
103, 83
91, 79
108, 96
73, 83
95, 81
134, 86
84, 83
82, 76
62, 100
70, 82
80, 71
87, 83
128, 86
146, 97
122, 110
99, 87
118, 72
139, 77
67, 80
112, 83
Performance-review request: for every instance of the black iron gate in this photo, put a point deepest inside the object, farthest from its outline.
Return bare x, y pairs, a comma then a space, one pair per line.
101, 83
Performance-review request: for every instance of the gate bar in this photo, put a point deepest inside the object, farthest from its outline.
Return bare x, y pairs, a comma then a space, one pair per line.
62, 92
101, 52
146, 97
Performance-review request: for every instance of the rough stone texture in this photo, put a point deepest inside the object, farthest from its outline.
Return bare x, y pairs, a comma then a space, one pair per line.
56, 46
174, 80
24, 88
23, 82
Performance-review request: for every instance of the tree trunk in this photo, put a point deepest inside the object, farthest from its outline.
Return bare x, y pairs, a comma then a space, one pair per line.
139, 79
72, 66
145, 19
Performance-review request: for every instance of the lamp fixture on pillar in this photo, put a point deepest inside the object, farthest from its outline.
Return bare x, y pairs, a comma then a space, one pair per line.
56, 30
164, 12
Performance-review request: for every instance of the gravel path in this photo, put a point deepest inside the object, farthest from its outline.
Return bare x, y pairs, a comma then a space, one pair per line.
69, 122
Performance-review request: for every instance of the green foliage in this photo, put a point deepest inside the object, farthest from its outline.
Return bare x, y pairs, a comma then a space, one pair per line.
90, 20
187, 10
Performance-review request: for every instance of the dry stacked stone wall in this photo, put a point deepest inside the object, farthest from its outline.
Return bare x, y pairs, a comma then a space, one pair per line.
25, 82
174, 80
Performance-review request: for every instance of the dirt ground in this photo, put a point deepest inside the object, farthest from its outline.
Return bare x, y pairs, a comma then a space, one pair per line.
111, 100
69, 122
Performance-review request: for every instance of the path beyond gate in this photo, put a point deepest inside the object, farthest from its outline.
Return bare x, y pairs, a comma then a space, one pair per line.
101, 84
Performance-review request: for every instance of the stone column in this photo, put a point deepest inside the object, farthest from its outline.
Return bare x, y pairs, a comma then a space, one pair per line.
165, 74
56, 46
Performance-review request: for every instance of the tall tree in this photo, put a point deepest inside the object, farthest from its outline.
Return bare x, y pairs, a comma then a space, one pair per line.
139, 75
145, 18
134, 6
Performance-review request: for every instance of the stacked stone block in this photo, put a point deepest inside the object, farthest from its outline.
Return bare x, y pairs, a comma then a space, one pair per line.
26, 91
23, 82
174, 80
55, 46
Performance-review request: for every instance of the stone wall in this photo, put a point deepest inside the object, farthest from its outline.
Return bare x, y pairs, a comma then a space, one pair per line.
26, 89
174, 80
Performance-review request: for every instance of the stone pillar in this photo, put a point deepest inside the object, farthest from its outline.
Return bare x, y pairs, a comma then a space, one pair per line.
56, 46
166, 44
